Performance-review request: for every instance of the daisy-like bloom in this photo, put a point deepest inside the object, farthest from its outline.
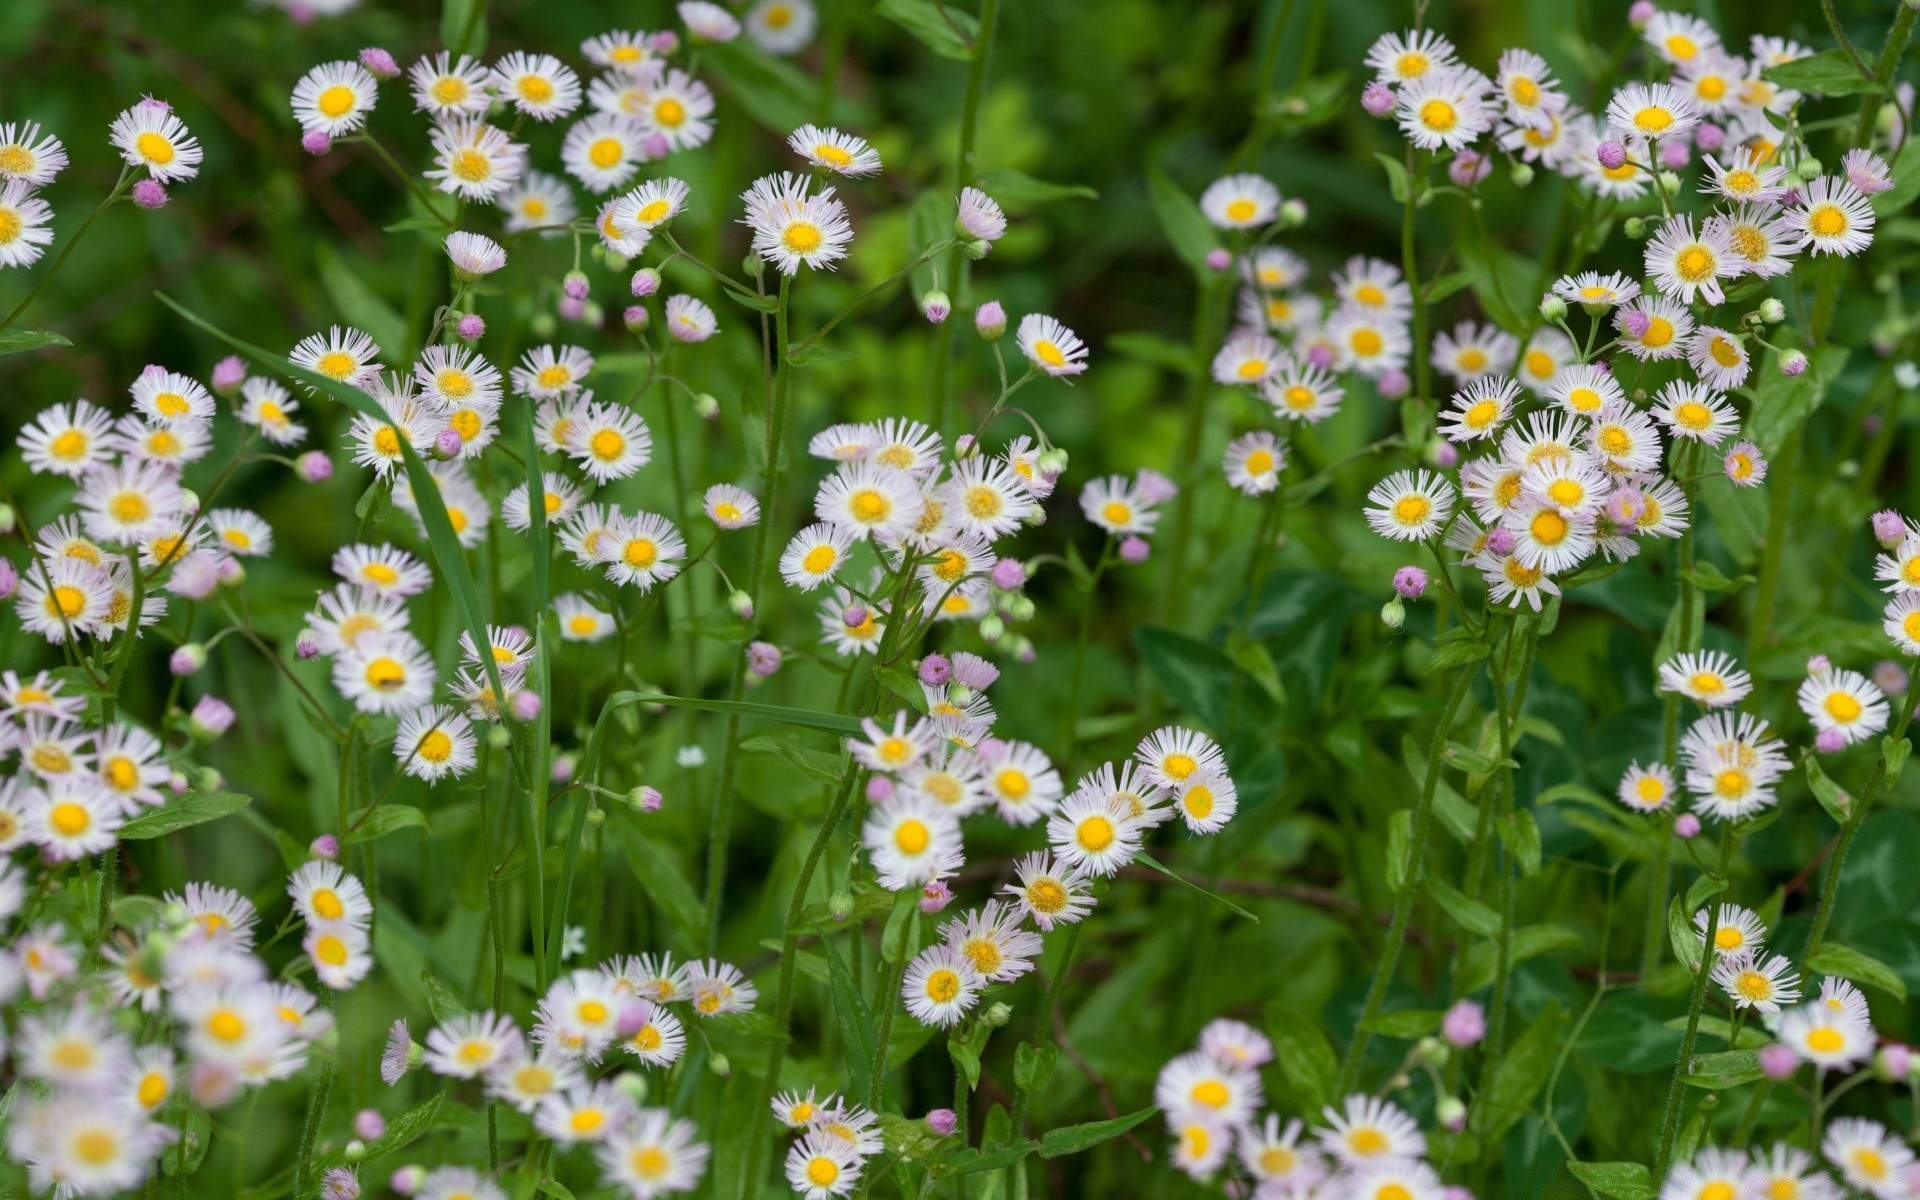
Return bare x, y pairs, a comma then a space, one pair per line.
149, 135
473, 160
792, 227
472, 1044
1664, 326
1688, 264
643, 550
24, 233
538, 85
579, 1014
1729, 788
912, 840
1713, 1173
1862, 167
904, 445
1868, 1156
447, 88
457, 1183
1253, 462
1445, 109
1645, 112
343, 354
1247, 357
821, 1166
1274, 1156
1710, 677
75, 1047
434, 742
1367, 342
1758, 981
1114, 503
1398, 58
382, 444
50, 749
1198, 1084
1745, 178
612, 442
979, 216
1713, 81
123, 503
1023, 784
718, 988
1763, 241
866, 501
1526, 83
1509, 581
679, 108
591, 1113
1571, 486
1171, 756
658, 1038
1395, 1179
523, 1080
1206, 802
1300, 391
1240, 202
653, 204
1471, 351
1596, 291
387, 570
1835, 217
1089, 834
1718, 357
1274, 269
81, 1145
991, 941
561, 501
384, 673
268, 407
40, 694
168, 398
64, 598
323, 894
1901, 622
1479, 408
657, 1154
849, 640
473, 255
1365, 1130
1828, 1039
1695, 412
781, 26
1900, 568
844, 443
940, 986
708, 22
29, 156
1585, 390
832, 150
603, 150
66, 439
1646, 789
1841, 998
171, 445
1680, 37
1373, 285
986, 498
1789, 1171
1050, 346
1201, 1143
1743, 465
730, 507
217, 915
1050, 891
797, 1111
580, 620
1410, 506
548, 372
341, 955
334, 98
1548, 539
690, 319
656, 979
1844, 702
815, 555
538, 201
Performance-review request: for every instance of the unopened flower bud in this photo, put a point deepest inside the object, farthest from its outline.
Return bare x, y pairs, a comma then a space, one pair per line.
719, 1064
1522, 174
1293, 213
706, 407
326, 846
209, 781
1392, 384
1793, 363
369, 1124
1830, 741
646, 281
314, 466
1218, 259
341, 1183
1686, 825
936, 306
879, 789
1669, 183
763, 659
1809, 169
941, 1122
840, 906
1552, 307
1410, 582
645, 799
997, 1014
571, 308
562, 768
990, 320
1443, 454
1641, 12
316, 142
448, 443
9, 578
407, 1180
1818, 663
935, 670
741, 604
1889, 528
379, 62
210, 718
525, 705
187, 658
1465, 1024
150, 194
855, 616
1675, 155
655, 146
1634, 227
470, 327
1451, 1113
1893, 1062
1772, 311
1611, 155
935, 896
1709, 137
1778, 1061
1053, 461
632, 1084
1890, 677
1378, 99
1009, 574
574, 285
1393, 613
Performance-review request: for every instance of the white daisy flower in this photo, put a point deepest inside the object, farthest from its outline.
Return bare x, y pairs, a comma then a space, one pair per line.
334, 98
343, 354
1710, 677
537, 85
28, 155
472, 1044
1665, 324
1646, 789
680, 109
690, 319
653, 204
385, 569
1763, 241
603, 151
547, 372
1680, 37
268, 407
149, 135
473, 160
1745, 178
1869, 1157
820, 1167
1845, 702
792, 225
1760, 982
447, 89
1719, 357
781, 26
1687, 264
538, 201
912, 840
66, 439
435, 742
384, 673
1695, 412
1834, 217
1050, 346
1398, 58
1479, 409
1243, 201
832, 150
1410, 506
1471, 351
1444, 109
657, 1154
612, 443
1365, 1130
940, 986
642, 550
24, 231
869, 501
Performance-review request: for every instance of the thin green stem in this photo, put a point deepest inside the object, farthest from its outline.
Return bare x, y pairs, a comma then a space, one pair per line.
1858, 813
126, 175
1670, 1120
1043, 1034
939, 394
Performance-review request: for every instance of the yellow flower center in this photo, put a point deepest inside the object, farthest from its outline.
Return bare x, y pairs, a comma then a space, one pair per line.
587, 1121
670, 112
606, 151
984, 954
1366, 1141
1681, 46
1276, 1160
66, 601
1049, 353
641, 553
1659, 332
385, 675
1724, 352
1473, 359
1411, 510
1694, 264
1825, 1039
1694, 415
1260, 462
1094, 834
869, 505
152, 1089
801, 237
154, 147
449, 89
912, 837
1650, 790
326, 902
471, 165
227, 1025
1652, 119
1241, 210
533, 89
96, 1147
822, 1171
1366, 342
1749, 242
69, 819
1842, 707
832, 155
607, 445
1210, 1092
1524, 91
942, 986
1439, 115
1583, 399
1199, 802
336, 364
336, 101
1828, 220
651, 1162
1869, 1162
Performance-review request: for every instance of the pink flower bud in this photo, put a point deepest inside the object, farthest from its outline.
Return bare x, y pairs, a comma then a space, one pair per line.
369, 1125
1793, 363
325, 846
228, 374
574, 284
1819, 663
1709, 137
1500, 541
571, 309
379, 62
646, 281
1391, 385
1889, 528
1686, 825
9, 578
314, 466
970, 670
1895, 1060
187, 659
525, 705
1465, 1024
1778, 1061
1218, 259
1135, 550
448, 443
941, 1122
470, 327
1322, 356
1456, 1192
562, 769
1890, 677
1830, 741
936, 307
1378, 99
935, 670
1445, 455
1410, 582
854, 617
407, 1180
148, 194
763, 658
316, 142
651, 799
1468, 168
1009, 574
1640, 13
656, 146
935, 896
210, 718
1612, 155
1635, 324
1675, 154
879, 789
635, 318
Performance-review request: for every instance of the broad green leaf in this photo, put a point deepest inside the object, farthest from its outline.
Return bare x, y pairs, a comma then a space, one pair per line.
1703, 889
1033, 1065
370, 311
967, 1161
1408, 1023
663, 881
1470, 914
463, 26
1727, 1069
1520, 834
1893, 752
1306, 1059
1828, 73
1478, 965
1399, 849
441, 1001
181, 812
856, 1023
1750, 1037
1072, 1139
1849, 963
1202, 680
1831, 796
1396, 179
189, 1150
367, 826
1621, 1180
1708, 577
1681, 936
925, 22
405, 1129
1784, 401
1020, 190
1522, 1072
1186, 227
965, 1050
18, 341
1457, 651
816, 764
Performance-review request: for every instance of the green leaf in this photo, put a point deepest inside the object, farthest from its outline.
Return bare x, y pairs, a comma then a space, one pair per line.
403, 1131
661, 878
1681, 937
1033, 1065
925, 22
18, 341
1072, 1139
970, 1160
463, 26
441, 1002
1828, 73
1202, 680
1455, 651
1906, 185
1520, 834
367, 826
1727, 1069
1831, 795
965, 1050
1468, 913
1849, 963
1150, 861
1396, 178
1399, 849
1465, 758
856, 1023
1408, 1023
1020, 190
1621, 1180
187, 1153
181, 812
1442, 286
1306, 1058
1704, 888
773, 91
1478, 964
1893, 752
1186, 227
1705, 575
1750, 1036
1521, 1074
1784, 401
816, 764
371, 312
